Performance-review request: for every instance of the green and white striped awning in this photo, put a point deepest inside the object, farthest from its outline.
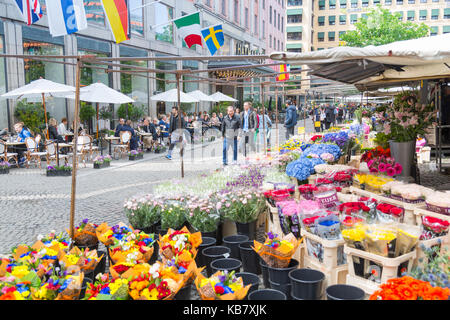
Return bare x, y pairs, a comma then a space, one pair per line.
293, 45
423, 13
331, 34
294, 12
353, 17
411, 14
434, 12
321, 19
320, 35
447, 11
332, 2
321, 3
343, 18
294, 29
446, 29
332, 18
434, 29
343, 2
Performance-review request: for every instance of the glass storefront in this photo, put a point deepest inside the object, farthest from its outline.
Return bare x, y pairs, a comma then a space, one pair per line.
34, 69
94, 12
3, 102
162, 86
137, 17
163, 13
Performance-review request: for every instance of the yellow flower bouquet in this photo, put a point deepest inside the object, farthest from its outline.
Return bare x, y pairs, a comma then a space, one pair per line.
179, 243
221, 286
86, 259
276, 252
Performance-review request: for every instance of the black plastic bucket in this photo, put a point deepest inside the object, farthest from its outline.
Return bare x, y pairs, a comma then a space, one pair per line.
184, 293
101, 266
267, 294
248, 229
151, 229
91, 247
285, 288
212, 234
233, 243
89, 274
212, 253
84, 287
155, 254
307, 284
281, 275
228, 264
249, 258
344, 292
265, 273
206, 242
249, 278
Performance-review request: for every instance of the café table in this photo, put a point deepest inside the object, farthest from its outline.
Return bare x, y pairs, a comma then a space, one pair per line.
110, 140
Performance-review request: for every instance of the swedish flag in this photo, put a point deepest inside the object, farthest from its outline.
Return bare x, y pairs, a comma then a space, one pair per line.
214, 38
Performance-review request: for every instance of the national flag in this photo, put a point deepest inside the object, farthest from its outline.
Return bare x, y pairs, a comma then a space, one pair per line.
214, 38
285, 76
30, 10
65, 16
117, 13
189, 29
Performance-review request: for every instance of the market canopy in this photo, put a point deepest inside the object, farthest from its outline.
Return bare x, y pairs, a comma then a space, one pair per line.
197, 94
37, 88
219, 97
427, 57
172, 96
100, 93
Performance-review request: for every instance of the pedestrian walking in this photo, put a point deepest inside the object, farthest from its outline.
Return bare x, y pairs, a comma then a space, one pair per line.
230, 132
248, 125
291, 119
174, 134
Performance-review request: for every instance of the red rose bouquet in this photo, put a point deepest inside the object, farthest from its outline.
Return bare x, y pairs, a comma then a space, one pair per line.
389, 213
433, 227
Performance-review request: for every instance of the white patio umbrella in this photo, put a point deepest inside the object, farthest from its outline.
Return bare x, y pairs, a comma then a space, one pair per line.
101, 93
43, 88
201, 97
172, 96
219, 97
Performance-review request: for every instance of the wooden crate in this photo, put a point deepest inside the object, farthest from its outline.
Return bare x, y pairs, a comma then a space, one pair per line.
409, 208
390, 267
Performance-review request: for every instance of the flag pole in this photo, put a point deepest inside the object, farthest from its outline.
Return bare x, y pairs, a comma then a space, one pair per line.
172, 20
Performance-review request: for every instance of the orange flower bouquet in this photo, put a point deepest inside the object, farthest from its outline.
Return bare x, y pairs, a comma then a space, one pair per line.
126, 270
85, 234
221, 286
180, 244
276, 252
408, 288
86, 259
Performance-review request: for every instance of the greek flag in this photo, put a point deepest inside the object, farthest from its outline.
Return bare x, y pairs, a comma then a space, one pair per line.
30, 10
65, 16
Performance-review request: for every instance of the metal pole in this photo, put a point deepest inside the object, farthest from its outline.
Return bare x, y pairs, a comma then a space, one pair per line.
180, 115
45, 114
75, 148
276, 118
263, 118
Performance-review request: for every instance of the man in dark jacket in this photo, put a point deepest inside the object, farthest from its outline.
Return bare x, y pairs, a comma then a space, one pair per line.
291, 119
119, 127
134, 139
330, 117
174, 133
230, 131
248, 124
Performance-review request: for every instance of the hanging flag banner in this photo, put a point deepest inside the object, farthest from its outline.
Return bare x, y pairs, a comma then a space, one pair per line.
285, 76
214, 38
65, 16
190, 29
117, 13
30, 10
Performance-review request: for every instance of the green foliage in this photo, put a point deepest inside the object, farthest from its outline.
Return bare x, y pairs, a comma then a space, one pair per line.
32, 115
173, 215
134, 112
382, 140
105, 113
243, 206
144, 215
87, 111
221, 107
382, 27
435, 270
203, 221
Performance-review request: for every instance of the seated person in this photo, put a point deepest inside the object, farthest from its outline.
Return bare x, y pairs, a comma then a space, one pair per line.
53, 131
164, 125
149, 128
215, 122
62, 128
120, 127
22, 134
134, 139
3, 133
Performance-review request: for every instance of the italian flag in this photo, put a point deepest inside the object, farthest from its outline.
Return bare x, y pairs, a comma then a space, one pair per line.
189, 29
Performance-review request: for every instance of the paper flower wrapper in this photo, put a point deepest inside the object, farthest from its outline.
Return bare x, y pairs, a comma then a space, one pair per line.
73, 289
121, 256
101, 232
195, 239
381, 241
407, 239
87, 260
42, 250
279, 257
207, 291
85, 237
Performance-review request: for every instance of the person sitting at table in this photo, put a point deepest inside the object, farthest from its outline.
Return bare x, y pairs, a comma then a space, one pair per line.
22, 134
215, 122
149, 128
164, 125
119, 127
62, 128
53, 131
3, 134
134, 139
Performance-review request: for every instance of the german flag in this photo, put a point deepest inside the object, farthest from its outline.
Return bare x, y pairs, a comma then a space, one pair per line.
117, 13
285, 76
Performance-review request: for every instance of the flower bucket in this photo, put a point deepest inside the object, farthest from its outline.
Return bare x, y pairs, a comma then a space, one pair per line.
307, 284
184, 293
89, 275
403, 153
155, 254
249, 258
249, 279
101, 266
265, 272
228, 264
285, 288
248, 229
84, 287
105, 164
281, 275
212, 253
150, 229
344, 292
267, 294
213, 234
233, 243
206, 243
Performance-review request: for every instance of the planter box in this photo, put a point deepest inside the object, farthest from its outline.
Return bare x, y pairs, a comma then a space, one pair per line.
59, 173
4, 171
160, 150
389, 268
105, 164
136, 157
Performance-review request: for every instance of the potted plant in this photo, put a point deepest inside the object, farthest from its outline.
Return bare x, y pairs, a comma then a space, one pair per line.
203, 216
160, 149
102, 162
143, 213
61, 171
243, 206
405, 120
4, 167
173, 215
135, 155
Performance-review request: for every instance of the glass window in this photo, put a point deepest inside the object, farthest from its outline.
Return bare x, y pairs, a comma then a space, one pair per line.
331, 20
93, 75
423, 1
255, 25
342, 19
321, 20
365, 3
224, 7
294, 36
135, 85
343, 4
163, 13
295, 3
246, 17
331, 36
35, 69
447, 13
434, 14
294, 18
399, 2
190, 86
236, 11
3, 102
423, 15
354, 4
94, 12
387, 2
137, 17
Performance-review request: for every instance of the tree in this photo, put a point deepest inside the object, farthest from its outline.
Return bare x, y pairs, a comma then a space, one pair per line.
32, 115
382, 27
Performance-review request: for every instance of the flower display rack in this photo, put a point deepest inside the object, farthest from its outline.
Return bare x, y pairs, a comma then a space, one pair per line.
105, 164
390, 267
409, 208
335, 274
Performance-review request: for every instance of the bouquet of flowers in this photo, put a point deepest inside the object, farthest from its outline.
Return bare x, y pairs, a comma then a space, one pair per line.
288, 212
106, 288
102, 159
385, 165
107, 235
433, 227
18, 282
52, 239
277, 252
222, 285
180, 244
435, 267
375, 153
387, 213
408, 288
86, 260
340, 138
306, 191
61, 285
85, 234
134, 247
